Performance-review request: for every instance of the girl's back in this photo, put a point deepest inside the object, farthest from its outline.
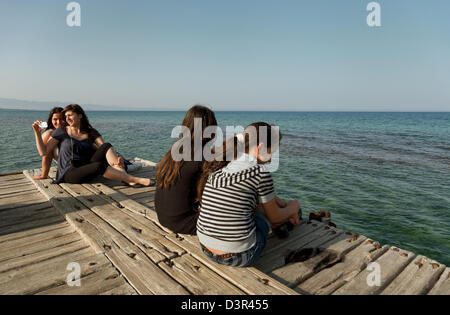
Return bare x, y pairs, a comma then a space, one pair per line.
229, 199
175, 205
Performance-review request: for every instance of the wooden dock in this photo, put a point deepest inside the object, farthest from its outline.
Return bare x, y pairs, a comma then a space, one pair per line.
111, 231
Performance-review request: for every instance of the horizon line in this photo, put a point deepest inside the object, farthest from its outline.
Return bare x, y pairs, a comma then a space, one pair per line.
258, 111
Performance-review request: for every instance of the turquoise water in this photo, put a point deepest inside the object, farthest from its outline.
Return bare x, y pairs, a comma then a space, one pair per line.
384, 175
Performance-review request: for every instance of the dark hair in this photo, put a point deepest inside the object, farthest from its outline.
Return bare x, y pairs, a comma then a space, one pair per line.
229, 149
85, 126
54, 110
168, 170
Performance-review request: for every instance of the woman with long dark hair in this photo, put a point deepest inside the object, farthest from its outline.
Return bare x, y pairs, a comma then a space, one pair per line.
176, 178
54, 121
79, 160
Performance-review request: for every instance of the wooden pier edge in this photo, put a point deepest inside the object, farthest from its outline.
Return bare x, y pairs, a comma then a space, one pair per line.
113, 231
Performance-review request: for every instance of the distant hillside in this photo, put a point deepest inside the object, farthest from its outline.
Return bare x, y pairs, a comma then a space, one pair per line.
9, 103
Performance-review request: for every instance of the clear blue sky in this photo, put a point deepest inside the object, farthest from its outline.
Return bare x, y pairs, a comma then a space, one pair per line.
229, 54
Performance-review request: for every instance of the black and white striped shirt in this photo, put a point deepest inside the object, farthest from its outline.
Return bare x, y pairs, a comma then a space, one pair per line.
226, 220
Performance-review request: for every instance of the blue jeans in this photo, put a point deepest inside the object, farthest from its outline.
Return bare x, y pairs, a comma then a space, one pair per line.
247, 258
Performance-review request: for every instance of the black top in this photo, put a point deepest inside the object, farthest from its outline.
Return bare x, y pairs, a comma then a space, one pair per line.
80, 151
175, 206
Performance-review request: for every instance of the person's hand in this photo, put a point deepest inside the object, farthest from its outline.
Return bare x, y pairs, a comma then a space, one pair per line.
294, 220
294, 204
36, 127
280, 202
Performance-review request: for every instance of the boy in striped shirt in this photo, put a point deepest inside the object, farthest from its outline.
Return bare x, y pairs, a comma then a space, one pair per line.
238, 202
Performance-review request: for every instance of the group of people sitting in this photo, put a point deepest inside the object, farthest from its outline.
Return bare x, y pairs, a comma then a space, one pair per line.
82, 153
229, 203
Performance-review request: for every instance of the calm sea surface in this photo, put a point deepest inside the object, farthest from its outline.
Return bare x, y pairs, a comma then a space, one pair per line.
384, 175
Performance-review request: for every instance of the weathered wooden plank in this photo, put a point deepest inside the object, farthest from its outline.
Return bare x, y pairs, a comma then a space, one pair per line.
249, 280
344, 243
127, 205
20, 201
325, 255
18, 193
277, 259
101, 235
442, 286
150, 215
117, 197
150, 205
3, 186
53, 272
16, 188
330, 279
124, 289
36, 238
16, 200
114, 184
10, 173
31, 225
42, 255
11, 176
138, 192
304, 228
96, 231
6, 181
31, 207
51, 173
6, 239
391, 265
417, 278
28, 249
143, 275
143, 233
43, 214
25, 211
104, 280
136, 267
197, 278
147, 201
79, 216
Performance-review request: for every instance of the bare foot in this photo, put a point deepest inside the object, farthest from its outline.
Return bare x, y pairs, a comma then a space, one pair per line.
39, 177
146, 182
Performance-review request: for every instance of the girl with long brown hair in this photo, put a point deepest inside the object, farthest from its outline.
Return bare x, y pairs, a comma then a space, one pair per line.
176, 180
238, 201
54, 121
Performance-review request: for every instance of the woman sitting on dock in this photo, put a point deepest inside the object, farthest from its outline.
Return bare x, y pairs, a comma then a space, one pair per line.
232, 228
176, 180
79, 160
54, 121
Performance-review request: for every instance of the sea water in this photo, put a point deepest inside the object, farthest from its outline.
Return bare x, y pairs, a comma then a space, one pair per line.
383, 175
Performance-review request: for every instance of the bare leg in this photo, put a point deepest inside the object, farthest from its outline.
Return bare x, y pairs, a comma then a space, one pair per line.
112, 173
46, 163
114, 160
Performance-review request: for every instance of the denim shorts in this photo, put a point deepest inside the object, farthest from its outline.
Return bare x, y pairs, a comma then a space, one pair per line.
247, 258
